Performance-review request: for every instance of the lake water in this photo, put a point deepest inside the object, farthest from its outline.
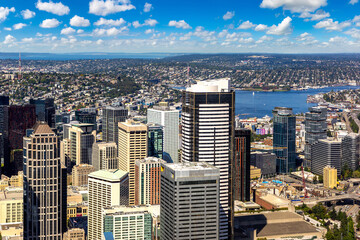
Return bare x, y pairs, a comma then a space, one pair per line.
260, 104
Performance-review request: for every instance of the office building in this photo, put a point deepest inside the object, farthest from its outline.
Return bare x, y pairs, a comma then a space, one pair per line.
264, 161
11, 207
255, 173
315, 129
80, 174
284, 139
106, 188
4, 102
45, 110
350, 151
208, 136
104, 156
43, 185
74, 234
330, 177
132, 146
111, 116
326, 153
82, 138
169, 120
241, 166
189, 207
155, 141
147, 181
86, 117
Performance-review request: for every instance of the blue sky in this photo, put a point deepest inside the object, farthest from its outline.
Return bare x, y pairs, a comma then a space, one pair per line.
201, 26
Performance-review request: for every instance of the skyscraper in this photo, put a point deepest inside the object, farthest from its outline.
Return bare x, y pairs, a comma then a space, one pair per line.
208, 136
169, 119
80, 174
284, 139
350, 147
133, 144
326, 153
104, 156
315, 129
189, 206
106, 189
86, 117
45, 110
43, 185
111, 116
82, 139
155, 141
4, 102
241, 167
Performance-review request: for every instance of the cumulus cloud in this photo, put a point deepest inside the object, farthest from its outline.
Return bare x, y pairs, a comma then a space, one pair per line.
246, 40
54, 8
294, 5
264, 39
27, 14
99, 41
50, 23
67, 31
148, 7
261, 27
80, 31
228, 15
4, 12
246, 25
9, 39
110, 22
109, 32
354, 32
353, 2
27, 40
77, 21
149, 31
318, 15
282, 29
331, 25
19, 26
179, 24
7, 28
106, 7
148, 22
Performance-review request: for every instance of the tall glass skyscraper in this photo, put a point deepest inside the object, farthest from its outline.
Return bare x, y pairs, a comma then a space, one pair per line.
111, 116
284, 139
155, 141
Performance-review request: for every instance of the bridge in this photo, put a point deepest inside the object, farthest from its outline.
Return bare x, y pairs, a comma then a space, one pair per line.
351, 196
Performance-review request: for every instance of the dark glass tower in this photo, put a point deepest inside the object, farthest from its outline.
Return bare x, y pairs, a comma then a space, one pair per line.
86, 117
4, 102
241, 167
155, 141
284, 139
111, 116
45, 110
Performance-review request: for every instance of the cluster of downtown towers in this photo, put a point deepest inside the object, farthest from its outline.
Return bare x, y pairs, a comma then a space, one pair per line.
208, 135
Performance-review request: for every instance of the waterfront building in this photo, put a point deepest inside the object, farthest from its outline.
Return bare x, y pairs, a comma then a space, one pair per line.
330, 177
326, 153
208, 136
169, 120
106, 188
189, 206
133, 137
43, 185
82, 138
155, 141
111, 116
86, 117
264, 161
284, 139
104, 156
350, 151
80, 174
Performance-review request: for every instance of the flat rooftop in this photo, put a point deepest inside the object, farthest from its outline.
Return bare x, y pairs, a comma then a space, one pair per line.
11, 195
190, 166
108, 175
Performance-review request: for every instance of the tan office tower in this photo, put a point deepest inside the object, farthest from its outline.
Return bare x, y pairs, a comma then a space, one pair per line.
104, 156
132, 146
106, 189
147, 181
80, 174
42, 185
82, 138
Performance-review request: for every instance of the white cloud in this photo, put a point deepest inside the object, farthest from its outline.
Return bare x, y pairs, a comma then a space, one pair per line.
318, 15
78, 21
354, 32
228, 15
99, 41
356, 18
4, 12
179, 24
67, 31
9, 39
148, 7
338, 39
7, 28
27, 40
207, 36
331, 25
246, 25
246, 40
264, 39
51, 7
149, 31
282, 29
294, 5
50, 23
353, 2
261, 27
19, 26
80, 31
106, 7
109, 32
148, 22
27, 14
223, 33
110, 22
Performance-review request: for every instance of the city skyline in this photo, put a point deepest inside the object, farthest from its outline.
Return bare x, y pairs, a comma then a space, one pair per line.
292, 26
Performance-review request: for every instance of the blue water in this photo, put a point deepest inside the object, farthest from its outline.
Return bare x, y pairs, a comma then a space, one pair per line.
262, 103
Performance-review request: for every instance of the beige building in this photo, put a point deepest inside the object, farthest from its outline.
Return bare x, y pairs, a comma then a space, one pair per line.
65, 151
80, 174
74, 234
133, 142
330, 177
11, 207
13, 181
82, 137
254, 172
104, 156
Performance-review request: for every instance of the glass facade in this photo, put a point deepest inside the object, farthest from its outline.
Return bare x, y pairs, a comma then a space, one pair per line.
155, 142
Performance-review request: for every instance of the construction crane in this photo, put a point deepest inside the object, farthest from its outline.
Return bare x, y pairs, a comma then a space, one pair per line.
303, 180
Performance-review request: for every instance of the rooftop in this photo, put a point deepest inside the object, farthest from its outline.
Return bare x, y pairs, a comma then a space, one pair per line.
151, 160
42, 127
108, 175
212, 85
190, 166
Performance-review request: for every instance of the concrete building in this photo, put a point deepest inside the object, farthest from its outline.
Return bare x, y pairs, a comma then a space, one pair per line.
82, 138
74, 234
133, 137
147, 181
80, 174
11, 207
106, 189
326, 153
264, 161
208, 136
189, 206
156, 140
104, 156
43, 185
330, 177
111, 116
169, 120
350, 151
255, 172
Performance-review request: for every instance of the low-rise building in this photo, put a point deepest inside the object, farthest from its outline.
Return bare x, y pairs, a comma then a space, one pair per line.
255, 172
74, 234
11, 207
330, 177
